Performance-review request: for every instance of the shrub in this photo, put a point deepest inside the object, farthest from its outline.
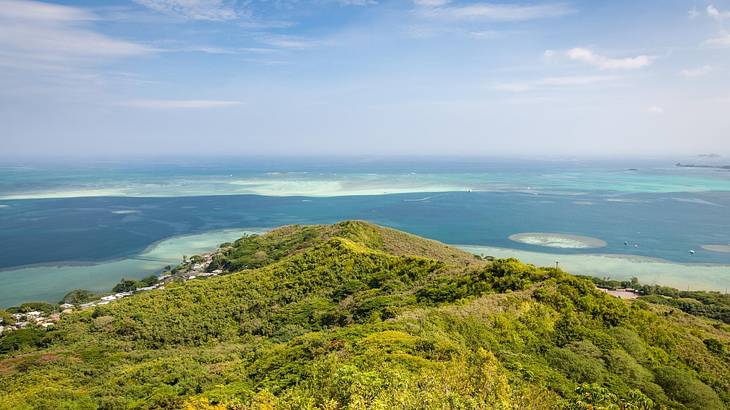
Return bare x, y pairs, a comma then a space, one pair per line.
681, 386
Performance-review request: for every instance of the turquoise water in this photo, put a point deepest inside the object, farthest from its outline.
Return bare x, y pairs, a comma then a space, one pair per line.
693, 276
327, 180
105, 215
50, 283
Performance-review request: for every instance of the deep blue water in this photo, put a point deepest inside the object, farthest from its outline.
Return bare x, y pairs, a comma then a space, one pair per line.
86, 229
56, 213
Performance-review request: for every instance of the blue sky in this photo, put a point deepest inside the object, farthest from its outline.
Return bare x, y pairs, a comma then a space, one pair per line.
331, 77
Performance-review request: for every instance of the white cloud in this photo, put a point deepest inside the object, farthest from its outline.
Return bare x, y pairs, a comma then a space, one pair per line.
722, 41
654, 109
693, 13
513, 87
32, 10
291, 42
713, 12
491, 12
212, 10
179, 104
563, 81
485, 34
575, 80
431, 3
48, 36
357, 2
696, 72
586, 55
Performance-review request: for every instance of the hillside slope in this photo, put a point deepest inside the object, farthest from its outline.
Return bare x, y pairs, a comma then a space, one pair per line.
357, 316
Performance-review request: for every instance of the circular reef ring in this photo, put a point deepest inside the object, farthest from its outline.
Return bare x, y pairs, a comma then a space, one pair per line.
558, 240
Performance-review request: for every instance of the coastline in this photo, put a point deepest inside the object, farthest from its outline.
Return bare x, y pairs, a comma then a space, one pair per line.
49, 282
649, 270
99, 276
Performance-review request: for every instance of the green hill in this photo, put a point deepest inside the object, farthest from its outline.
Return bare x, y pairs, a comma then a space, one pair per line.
357, 316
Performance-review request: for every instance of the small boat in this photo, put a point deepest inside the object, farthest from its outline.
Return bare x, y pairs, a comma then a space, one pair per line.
691, 251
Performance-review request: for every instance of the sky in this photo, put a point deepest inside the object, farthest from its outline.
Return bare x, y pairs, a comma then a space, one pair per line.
364, 77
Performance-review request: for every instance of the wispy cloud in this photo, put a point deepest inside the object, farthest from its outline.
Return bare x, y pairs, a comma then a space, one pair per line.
179, 104
54, 32
720, 41
440, 9
655, 109
696, 72
37, 11
575, 80
46, 36
717, 14
513, 87
562, 81
485, 34
204, 49
430, 3
588, 56
291, 42
211, 10
357, 2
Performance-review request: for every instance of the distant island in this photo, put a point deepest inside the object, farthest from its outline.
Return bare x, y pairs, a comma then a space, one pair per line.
702, 166
357, 316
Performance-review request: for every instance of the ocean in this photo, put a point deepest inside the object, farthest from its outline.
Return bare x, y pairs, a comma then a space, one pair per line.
68, 225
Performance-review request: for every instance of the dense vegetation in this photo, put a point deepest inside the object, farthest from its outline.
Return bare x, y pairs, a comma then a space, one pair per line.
714, 305
357, 316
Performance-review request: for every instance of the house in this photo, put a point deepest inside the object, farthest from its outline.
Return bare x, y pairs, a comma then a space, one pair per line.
66, 306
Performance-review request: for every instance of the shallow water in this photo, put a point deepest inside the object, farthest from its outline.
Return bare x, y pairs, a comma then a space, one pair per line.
50, 283
108, 213
621, 267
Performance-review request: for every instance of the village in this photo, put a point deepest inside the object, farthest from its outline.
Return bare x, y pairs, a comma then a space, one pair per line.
193, 268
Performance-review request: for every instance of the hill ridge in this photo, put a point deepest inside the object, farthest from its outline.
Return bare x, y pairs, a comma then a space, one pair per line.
353, 315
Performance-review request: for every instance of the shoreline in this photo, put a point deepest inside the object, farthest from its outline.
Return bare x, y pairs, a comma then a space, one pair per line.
649, 270
51, 282
128, 256
98, 275
548, 250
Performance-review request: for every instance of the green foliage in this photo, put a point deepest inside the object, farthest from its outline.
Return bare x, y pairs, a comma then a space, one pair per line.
22, 339
360, 317
33, 306
714, 305
78, 296
6, 318
128, 285
715, 346
125, 285
682, 387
